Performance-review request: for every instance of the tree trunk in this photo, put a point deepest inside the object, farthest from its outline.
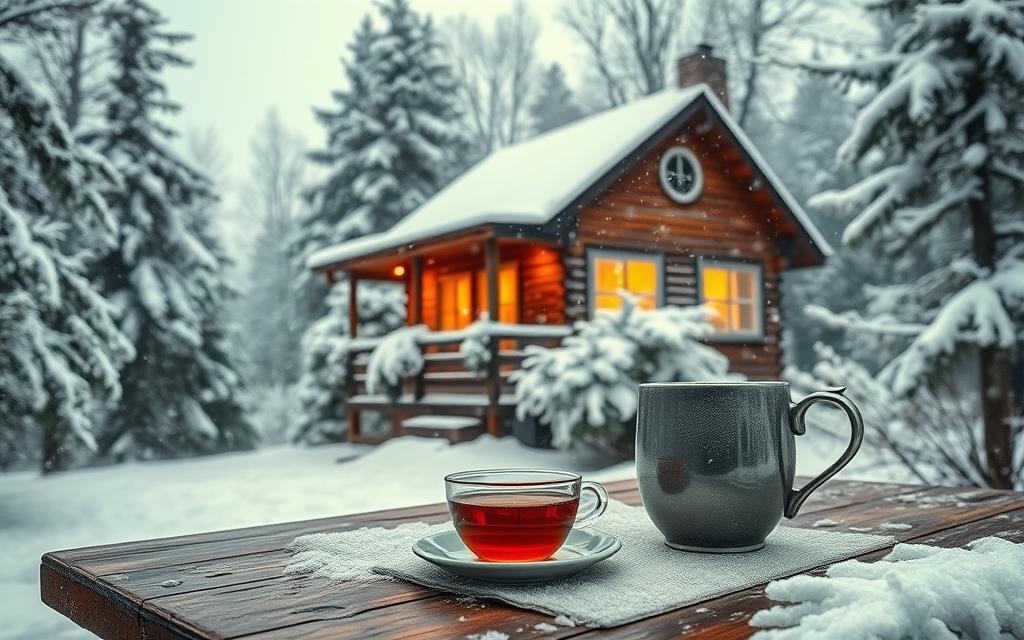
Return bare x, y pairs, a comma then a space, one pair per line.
993, 362
756, 32
53, 458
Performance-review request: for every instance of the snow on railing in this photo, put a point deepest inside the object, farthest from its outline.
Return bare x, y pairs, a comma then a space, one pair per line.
402, 354
500, 330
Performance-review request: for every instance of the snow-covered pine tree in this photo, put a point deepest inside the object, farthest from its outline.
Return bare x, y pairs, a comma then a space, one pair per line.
325, 220
802, 149
272, 199
60, 346
943, 128
393, 141
166, 272
554, 105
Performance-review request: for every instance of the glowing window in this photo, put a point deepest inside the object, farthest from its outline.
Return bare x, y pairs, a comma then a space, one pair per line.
637, 273
733, 290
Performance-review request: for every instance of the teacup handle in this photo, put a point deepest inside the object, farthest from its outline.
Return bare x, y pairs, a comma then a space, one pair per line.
833, 396
588, 518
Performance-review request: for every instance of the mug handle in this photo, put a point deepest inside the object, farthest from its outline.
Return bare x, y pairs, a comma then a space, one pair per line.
797, 411
588, 518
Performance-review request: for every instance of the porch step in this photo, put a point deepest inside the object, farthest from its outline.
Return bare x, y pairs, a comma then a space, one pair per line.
452, 428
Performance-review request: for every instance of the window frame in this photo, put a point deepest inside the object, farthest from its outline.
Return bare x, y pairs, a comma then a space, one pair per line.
698, 178
760, 312
593, 254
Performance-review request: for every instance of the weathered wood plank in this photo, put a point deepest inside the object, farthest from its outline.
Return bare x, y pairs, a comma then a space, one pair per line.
90, 607
253, 608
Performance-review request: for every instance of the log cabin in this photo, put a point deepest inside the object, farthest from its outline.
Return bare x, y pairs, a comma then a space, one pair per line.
665, 197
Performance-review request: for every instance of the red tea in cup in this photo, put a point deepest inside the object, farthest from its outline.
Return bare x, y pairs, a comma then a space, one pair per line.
518, 516
514, 527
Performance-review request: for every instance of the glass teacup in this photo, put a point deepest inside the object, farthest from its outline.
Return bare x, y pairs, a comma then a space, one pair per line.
517, 515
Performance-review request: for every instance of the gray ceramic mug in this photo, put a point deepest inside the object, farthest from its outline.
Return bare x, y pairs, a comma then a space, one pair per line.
715, 461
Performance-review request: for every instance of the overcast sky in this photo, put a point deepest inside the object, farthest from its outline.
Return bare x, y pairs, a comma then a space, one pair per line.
254, 55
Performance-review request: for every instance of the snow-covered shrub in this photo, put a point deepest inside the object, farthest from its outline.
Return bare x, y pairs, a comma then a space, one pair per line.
475, 348
397, 356
586, 389
325, 347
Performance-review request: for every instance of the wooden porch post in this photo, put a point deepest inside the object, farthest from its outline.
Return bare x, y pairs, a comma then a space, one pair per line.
416, 290
492, 262
353, 304
351, 415
416, 306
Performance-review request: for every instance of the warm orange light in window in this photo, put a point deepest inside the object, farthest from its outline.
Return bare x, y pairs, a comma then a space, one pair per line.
607, 301
643, 277
733, 293
716, 283
610, 275
399, 271
639, 276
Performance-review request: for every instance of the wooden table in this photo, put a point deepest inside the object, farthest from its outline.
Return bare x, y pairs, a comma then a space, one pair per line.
229, 584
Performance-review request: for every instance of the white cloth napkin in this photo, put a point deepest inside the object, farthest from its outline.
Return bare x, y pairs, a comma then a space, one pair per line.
643, 579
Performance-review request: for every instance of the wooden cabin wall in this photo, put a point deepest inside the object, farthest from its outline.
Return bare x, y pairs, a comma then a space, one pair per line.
726, 222
542, 286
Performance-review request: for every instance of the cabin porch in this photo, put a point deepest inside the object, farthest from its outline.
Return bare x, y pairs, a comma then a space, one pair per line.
450, 284
446, 399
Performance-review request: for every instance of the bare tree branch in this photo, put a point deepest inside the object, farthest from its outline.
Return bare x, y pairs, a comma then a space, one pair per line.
630, 42
15, 13
495, 72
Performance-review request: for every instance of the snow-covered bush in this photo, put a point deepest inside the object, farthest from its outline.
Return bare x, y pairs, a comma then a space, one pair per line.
397, 356
586, 389
475, 347
325, 348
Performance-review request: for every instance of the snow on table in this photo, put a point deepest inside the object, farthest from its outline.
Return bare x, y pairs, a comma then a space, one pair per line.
916, 591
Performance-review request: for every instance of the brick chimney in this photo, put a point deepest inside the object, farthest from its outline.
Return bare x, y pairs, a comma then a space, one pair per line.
702, 66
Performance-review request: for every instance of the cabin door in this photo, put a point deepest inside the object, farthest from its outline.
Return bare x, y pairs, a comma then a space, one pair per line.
455, 300
462, 297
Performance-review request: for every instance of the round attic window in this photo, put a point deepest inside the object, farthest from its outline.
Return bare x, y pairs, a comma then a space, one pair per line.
680, 175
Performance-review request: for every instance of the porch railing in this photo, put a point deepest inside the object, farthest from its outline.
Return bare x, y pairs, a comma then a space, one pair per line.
445, 385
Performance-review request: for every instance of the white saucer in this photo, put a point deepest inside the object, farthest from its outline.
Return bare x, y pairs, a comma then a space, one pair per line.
582, 549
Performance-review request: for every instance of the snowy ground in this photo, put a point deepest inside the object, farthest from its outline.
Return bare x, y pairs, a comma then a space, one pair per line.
149, 500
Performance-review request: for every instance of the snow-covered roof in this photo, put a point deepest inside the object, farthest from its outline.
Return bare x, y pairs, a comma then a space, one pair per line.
532, 182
